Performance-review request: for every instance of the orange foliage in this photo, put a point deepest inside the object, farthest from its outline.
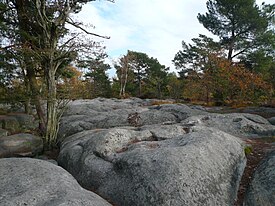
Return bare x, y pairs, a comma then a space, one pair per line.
72, 87
227, 82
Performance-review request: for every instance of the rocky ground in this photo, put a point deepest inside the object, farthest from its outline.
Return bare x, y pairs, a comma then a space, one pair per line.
144, 152
261, 148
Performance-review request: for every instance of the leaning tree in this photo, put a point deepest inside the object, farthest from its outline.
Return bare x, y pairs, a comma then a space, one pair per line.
44, 47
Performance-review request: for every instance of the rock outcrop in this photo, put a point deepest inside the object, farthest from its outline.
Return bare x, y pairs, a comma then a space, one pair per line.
20, 145
262, 188
3, 132
135, 153
26, 121
272, 120
146, 166
15, 122
9, 123
237, 124
98, 113
32, 182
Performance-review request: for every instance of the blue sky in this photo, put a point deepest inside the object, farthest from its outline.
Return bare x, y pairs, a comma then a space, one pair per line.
155, 27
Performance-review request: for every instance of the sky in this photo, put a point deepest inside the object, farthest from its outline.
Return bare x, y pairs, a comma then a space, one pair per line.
155, 27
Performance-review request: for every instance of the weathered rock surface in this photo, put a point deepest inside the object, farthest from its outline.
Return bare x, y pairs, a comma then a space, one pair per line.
25, 121
158, 167
134, 153
20, 145
265, 112
272, 120
261, 191
15, 122
84, 115
9, 123
34, 182
238, 124
3, 132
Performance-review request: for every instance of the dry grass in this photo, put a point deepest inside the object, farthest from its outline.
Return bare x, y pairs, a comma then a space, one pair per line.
160, 102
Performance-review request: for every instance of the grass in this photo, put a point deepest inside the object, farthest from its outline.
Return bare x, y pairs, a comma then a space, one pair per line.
248, 150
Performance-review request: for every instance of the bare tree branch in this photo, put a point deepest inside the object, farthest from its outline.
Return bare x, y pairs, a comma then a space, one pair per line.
10, 46
87, 32
240, 52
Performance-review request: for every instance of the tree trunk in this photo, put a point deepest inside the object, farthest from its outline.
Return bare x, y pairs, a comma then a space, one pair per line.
159, 90
139, 83
231, 45
36, 99
52, 118
124, 84
230, 52
207, 95
23, 25
27, 99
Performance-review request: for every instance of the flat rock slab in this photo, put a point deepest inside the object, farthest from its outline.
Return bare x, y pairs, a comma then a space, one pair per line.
146, 166
237, 124
261, 190
266, 112
32, 182
22, 144
99, 113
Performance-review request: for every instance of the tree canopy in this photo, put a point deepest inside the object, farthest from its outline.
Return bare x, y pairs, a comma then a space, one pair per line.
246, 38
141, 75
239, 24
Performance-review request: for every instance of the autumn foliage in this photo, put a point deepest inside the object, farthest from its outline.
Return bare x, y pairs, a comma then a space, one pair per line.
225, 82
70, 85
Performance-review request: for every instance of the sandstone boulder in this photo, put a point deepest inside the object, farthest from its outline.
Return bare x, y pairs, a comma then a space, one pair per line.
146, 166
237, 124
98, 113
20, 145
262, 188
9, 123
34, 182
25, 121
272, 120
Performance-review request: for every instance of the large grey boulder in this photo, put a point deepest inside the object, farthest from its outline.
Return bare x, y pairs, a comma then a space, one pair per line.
21, 144
98, 113
261, 191
34, 182
146, 166
237, 124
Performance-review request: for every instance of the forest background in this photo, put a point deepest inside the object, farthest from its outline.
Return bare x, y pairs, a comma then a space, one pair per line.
41, 60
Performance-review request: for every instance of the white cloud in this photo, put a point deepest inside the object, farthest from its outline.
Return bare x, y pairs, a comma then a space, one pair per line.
155, 27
